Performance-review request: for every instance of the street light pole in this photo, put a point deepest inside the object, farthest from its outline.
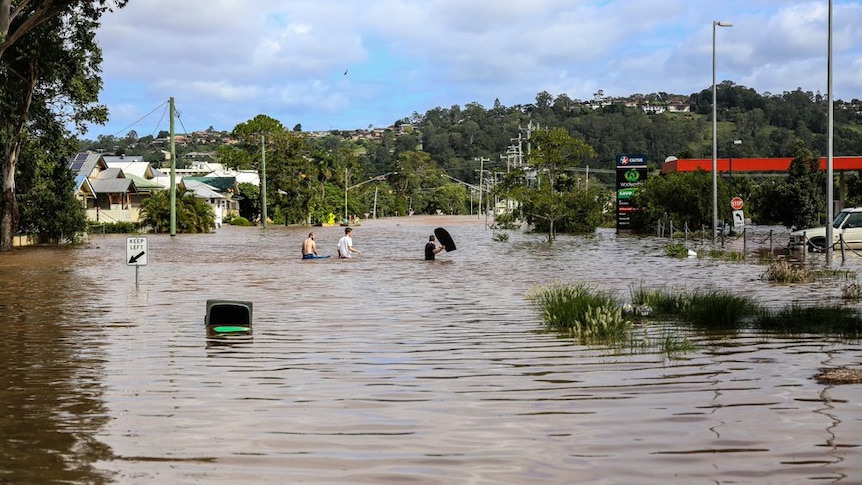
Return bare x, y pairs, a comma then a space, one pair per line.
372, 179
715, 24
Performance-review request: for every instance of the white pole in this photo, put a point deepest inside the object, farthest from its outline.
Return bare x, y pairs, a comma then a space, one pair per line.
830, 121
715, 136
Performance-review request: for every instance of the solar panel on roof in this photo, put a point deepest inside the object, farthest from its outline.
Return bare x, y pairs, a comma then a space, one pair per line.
81, 157
76, 166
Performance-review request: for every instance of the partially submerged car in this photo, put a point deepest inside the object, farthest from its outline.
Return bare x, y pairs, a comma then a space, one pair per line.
847, 225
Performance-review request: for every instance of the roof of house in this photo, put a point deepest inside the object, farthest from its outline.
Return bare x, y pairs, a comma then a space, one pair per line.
111, 173
112, 186
202, 190
144, 185
83, 164
130, 166
222, 184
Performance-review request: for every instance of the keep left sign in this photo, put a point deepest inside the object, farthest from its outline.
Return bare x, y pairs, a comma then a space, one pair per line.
136, 251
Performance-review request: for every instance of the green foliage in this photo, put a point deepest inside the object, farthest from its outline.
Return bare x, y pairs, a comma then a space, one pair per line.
718, 309
823, 319
120, 227
798, 200
193, 215
49, 210
713, 309
581, 311
240, 221
49, 81
682, 197
676, 250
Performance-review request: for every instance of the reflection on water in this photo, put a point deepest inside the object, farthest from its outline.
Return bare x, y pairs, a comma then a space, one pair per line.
388, 368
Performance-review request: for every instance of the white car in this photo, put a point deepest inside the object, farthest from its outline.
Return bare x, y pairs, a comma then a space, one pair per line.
847, 224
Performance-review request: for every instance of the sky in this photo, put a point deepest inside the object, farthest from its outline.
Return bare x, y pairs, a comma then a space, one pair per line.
350, 64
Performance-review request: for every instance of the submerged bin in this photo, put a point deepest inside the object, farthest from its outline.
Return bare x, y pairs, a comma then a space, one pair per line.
228, 316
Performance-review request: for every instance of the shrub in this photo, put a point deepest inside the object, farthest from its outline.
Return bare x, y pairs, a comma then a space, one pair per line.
112, 228
240, 221
676, 250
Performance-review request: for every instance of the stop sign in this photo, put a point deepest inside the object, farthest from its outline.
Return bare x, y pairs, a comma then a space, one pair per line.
736, 203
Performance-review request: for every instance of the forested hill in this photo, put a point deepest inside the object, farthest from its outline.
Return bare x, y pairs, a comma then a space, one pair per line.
658, 125
767, 125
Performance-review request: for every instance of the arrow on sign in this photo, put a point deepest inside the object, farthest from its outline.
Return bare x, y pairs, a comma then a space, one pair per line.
134, 259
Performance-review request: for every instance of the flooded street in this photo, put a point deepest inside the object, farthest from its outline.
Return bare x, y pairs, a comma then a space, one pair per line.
391, 369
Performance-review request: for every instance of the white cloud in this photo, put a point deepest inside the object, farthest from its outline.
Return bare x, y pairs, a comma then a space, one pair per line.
227, 60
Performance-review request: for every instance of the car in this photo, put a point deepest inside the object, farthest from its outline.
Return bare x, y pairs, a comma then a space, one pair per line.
847, 225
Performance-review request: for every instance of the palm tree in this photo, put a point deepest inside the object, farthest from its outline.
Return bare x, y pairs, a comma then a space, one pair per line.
194, 215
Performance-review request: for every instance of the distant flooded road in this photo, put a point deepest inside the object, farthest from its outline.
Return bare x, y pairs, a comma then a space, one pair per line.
390, 369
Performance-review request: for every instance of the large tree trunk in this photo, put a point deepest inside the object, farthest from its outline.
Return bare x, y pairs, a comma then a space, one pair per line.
9, 203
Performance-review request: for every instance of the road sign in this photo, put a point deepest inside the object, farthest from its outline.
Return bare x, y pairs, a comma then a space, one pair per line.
738, 219
136, 251
736, 203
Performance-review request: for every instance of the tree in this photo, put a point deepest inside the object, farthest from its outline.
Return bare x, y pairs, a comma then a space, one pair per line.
194, 215
247, 154
549, 202
47, 187
681, 197
49, 65
797, 201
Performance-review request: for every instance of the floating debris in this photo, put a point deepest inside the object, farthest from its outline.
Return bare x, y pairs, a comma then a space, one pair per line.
840, 375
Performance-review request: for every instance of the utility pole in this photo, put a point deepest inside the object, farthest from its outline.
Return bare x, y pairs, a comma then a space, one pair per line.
482, 161
263, 179
173, 172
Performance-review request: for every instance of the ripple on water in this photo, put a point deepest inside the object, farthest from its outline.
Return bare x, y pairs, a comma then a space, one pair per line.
388, 368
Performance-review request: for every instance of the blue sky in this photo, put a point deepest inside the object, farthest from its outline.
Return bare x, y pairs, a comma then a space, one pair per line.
226, 61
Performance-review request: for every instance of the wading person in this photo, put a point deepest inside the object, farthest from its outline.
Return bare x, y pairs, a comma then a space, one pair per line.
345, 245
431, 249
309, 247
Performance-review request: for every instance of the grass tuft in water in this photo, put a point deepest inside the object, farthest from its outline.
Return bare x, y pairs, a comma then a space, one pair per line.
663, 301
676, 250
580, 310
824, 319
782, 271
719, 309
667, 343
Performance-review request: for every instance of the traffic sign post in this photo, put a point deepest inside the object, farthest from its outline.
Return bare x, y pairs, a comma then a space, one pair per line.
736, 203
136, 253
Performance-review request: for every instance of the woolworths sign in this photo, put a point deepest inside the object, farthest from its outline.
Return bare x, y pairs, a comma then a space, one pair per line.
631, 173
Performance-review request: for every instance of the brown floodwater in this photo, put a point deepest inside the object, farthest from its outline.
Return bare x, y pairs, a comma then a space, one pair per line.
391, 369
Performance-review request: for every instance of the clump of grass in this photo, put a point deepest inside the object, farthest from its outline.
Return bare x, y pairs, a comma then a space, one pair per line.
725, 255
581, 311
782, 271
719, 309
676, 250
851, 291
501, 237
823, 319
667, 343
663, 301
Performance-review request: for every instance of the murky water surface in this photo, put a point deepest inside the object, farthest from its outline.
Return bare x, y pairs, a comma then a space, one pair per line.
391, 369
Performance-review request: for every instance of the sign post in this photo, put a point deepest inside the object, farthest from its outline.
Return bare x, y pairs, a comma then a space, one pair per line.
736, 204
136, 253
631, 173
